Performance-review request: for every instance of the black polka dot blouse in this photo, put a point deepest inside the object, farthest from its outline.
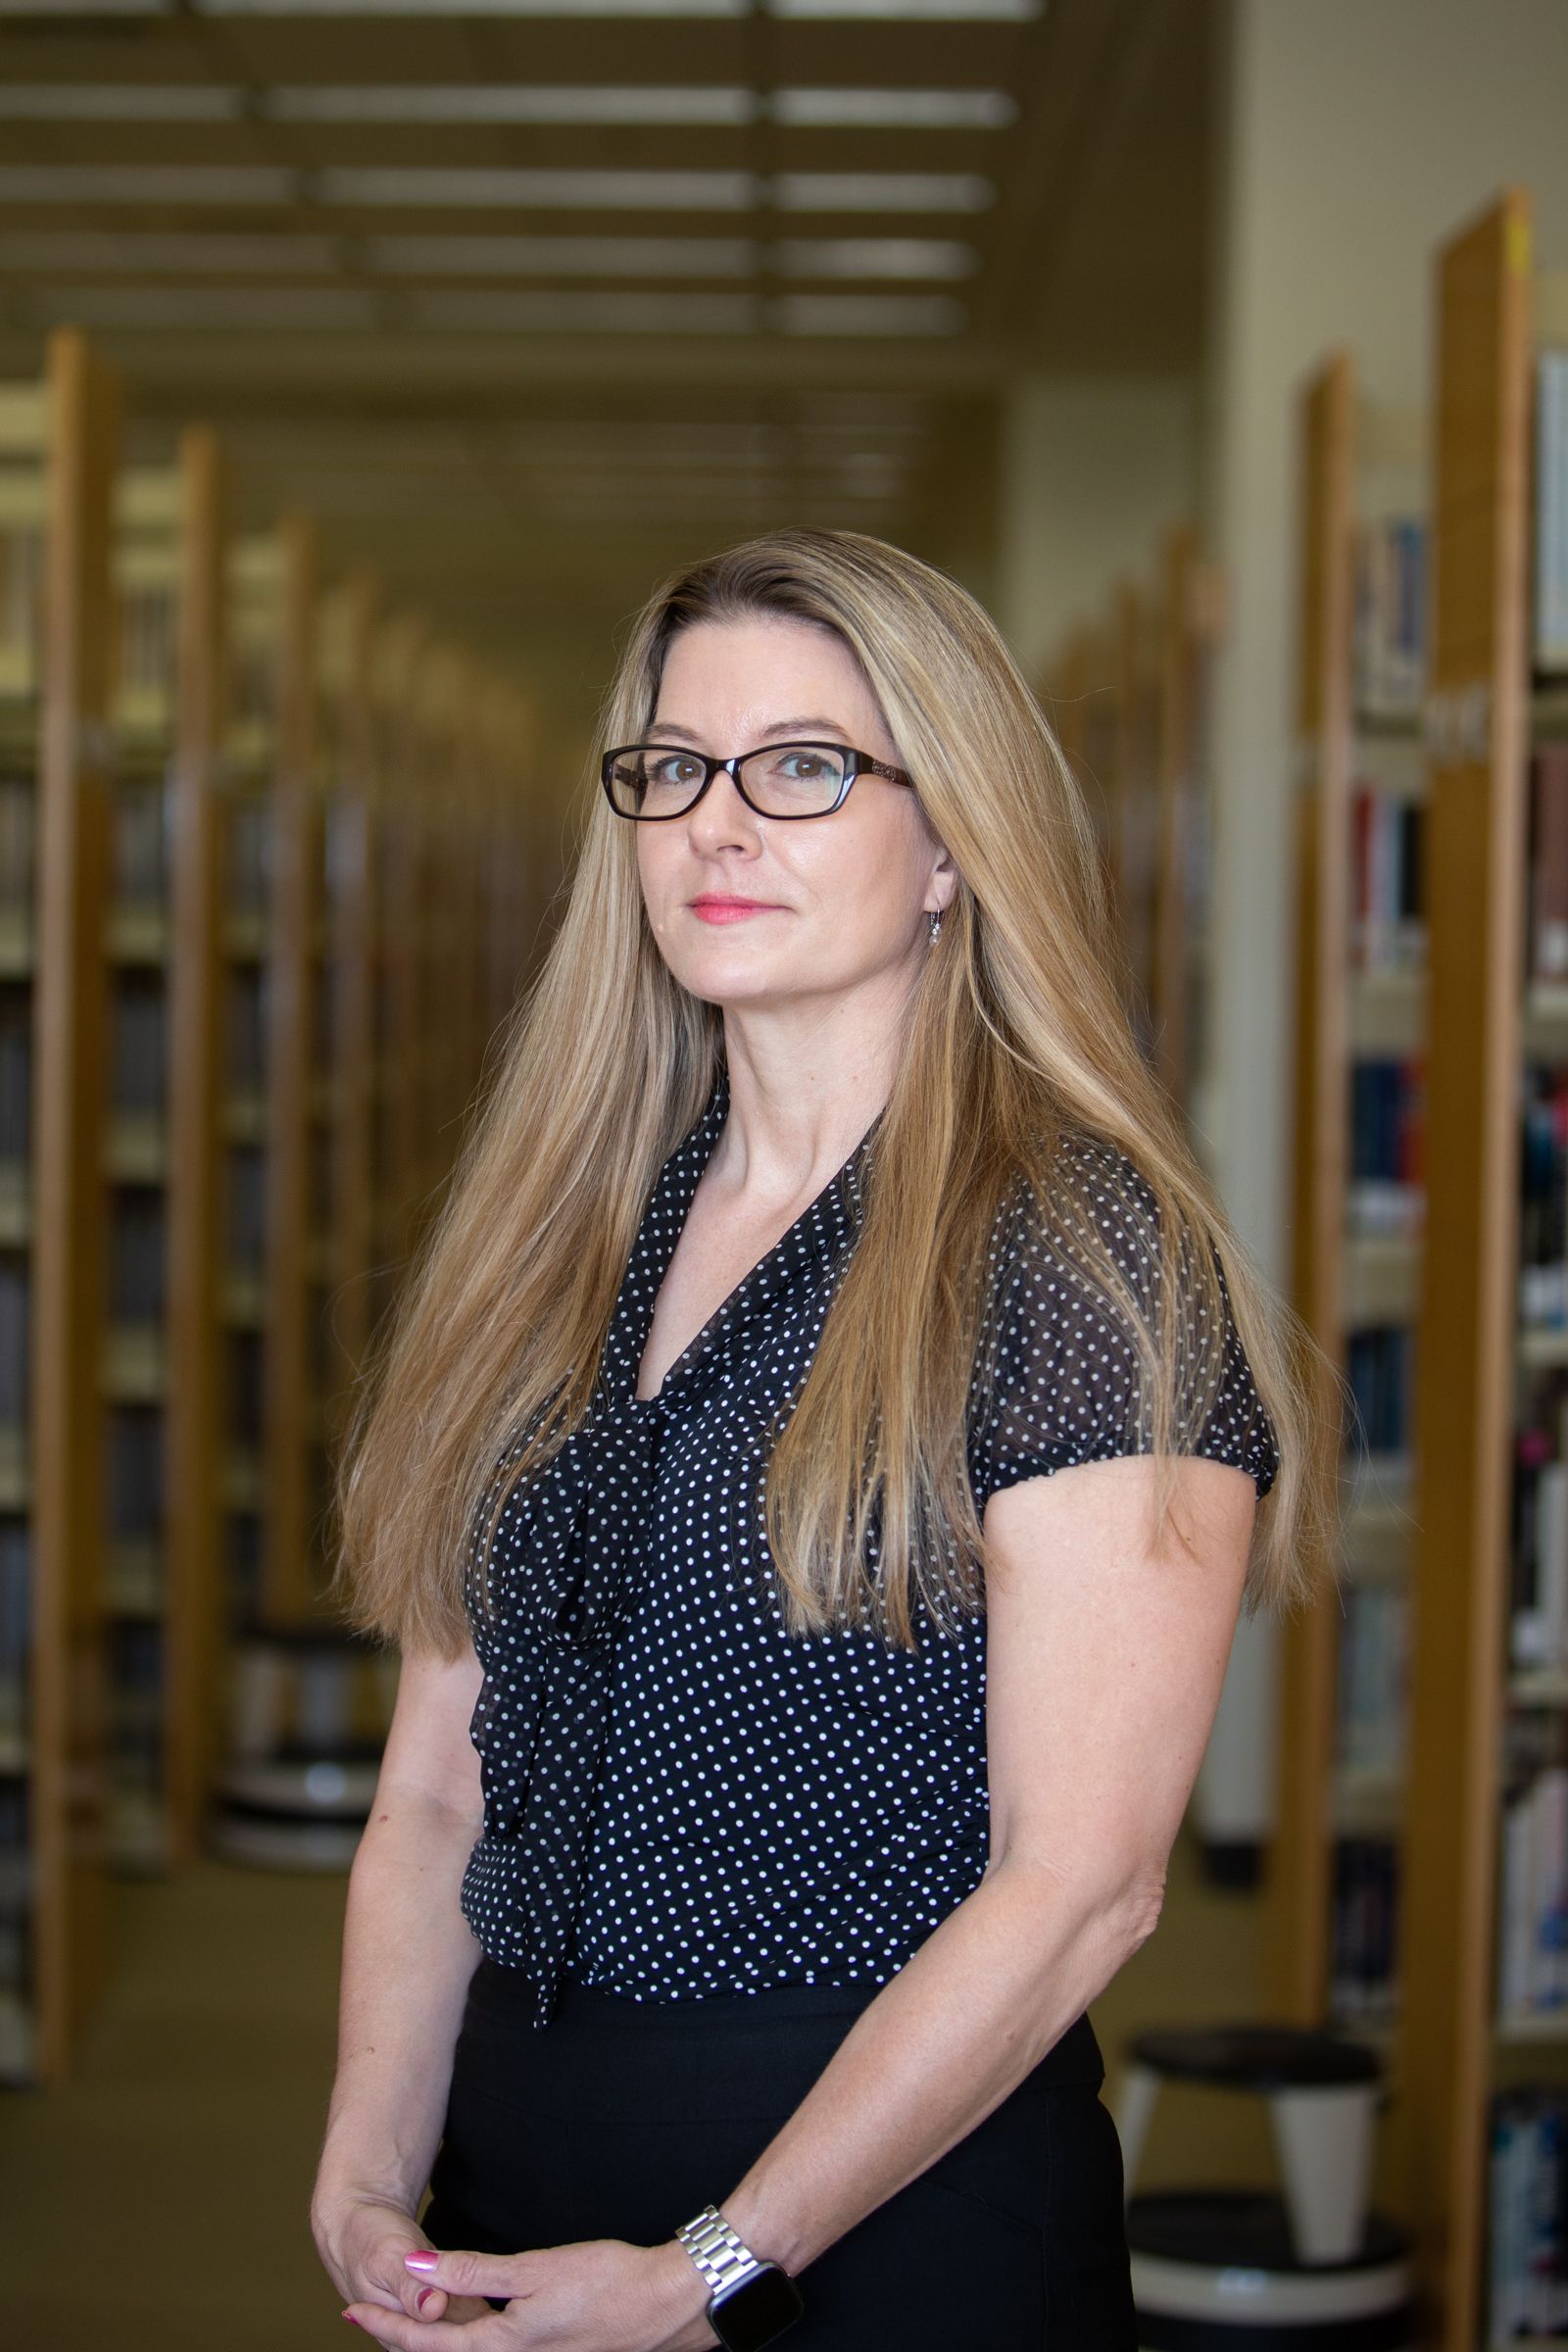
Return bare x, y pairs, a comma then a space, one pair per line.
679, 1799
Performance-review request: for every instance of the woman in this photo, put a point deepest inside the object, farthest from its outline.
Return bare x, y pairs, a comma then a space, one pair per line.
785, 1752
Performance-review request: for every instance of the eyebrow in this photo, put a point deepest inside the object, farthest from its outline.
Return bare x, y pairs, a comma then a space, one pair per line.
785, 730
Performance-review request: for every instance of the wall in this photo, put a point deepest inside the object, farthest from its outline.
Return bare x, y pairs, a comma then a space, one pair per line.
1090, 473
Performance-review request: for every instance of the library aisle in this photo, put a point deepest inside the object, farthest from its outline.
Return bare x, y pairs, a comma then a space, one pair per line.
363, 366
217, 2035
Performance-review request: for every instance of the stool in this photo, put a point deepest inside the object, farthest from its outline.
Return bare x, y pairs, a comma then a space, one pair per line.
309, 1715
1248, 2271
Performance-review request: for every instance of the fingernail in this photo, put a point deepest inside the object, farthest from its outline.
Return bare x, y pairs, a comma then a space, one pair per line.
421, 2262
423, 2297
349, 2316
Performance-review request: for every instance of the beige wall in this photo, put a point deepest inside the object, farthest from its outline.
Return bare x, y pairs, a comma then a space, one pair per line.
1091, 472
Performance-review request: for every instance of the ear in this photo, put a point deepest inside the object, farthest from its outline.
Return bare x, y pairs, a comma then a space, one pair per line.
945, 874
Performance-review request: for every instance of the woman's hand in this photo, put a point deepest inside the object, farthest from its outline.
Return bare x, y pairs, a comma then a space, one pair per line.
600, 2295
362, 2241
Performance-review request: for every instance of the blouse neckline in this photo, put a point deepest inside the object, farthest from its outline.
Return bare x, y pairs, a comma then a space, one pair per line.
814, 1237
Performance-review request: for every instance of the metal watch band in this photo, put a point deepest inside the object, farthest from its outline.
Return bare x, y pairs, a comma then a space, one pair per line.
718, 2253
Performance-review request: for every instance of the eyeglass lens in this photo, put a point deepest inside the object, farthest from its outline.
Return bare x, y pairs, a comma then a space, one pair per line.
787, 779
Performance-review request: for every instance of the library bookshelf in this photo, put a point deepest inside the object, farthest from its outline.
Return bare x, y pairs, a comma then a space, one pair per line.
58, 453
268, 881
1482, 2007
158, 1582
1332, 1892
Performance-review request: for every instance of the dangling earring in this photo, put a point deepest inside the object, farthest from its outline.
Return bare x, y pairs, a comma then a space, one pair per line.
935, 927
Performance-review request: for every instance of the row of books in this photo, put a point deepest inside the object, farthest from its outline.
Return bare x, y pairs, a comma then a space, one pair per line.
1390, 618
20, 597
139, 837
148, 638
14, 1881
16, 1638
1363, 1948
1546, 898
16, 1072
1544, 1196
1388, 1145
134, 1498
138, 1040
1380, 1367
1537, 1587
1372, 1692
1387, 881
15, 1325
1533, 1864
135, 1704
18, 848
1526, 2190
136, 1286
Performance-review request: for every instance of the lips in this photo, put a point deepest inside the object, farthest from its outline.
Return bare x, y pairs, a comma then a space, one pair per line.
711, 909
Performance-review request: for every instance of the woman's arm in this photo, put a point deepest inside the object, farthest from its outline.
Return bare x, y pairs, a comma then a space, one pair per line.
408, 1956
1104, 1661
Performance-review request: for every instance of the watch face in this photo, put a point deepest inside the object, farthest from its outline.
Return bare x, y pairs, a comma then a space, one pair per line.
756, 2311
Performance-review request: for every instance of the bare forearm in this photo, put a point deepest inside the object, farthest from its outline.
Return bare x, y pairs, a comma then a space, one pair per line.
974, 2009
408, 1956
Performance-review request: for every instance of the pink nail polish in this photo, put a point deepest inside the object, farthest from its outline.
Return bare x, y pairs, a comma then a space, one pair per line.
349, 2316
421, 2262
423, 2297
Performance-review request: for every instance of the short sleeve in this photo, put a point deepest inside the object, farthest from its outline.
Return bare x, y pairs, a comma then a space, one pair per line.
1058, 1378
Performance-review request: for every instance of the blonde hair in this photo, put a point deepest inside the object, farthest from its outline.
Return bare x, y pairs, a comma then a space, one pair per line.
1018, 1046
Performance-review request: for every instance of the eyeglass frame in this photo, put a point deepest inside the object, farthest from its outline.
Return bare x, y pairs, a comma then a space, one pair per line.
855, 764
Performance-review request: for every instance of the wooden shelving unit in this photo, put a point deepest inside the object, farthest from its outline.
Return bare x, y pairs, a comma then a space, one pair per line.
58, 448
343, 1187
1355, 1239
1477, 1364
269, 880
163, 1033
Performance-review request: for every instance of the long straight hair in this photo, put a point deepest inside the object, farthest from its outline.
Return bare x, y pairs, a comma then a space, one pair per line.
1018, 1052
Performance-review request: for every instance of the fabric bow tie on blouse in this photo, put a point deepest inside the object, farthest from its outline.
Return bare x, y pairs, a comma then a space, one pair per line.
561, 1568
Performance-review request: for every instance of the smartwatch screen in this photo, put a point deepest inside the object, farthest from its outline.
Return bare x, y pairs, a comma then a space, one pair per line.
754, 2312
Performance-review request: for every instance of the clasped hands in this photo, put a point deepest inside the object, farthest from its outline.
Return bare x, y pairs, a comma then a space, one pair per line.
599, 2295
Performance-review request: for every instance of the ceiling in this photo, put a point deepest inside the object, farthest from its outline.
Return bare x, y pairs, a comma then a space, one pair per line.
530, 299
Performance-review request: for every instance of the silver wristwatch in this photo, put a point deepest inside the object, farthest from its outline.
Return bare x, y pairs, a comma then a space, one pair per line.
750, 2302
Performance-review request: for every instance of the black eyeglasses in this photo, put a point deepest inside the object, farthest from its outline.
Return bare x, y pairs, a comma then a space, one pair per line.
654, 781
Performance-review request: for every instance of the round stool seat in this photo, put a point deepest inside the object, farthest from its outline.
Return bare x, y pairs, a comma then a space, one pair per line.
1215, 2271
1257, 2058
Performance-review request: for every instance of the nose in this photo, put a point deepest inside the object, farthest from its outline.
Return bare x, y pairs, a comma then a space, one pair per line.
721, 810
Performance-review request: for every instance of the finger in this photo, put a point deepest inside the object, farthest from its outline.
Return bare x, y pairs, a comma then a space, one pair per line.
467, 2274
399, 2333
405, 2289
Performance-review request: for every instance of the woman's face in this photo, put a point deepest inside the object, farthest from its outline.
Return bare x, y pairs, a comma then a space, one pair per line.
842, 898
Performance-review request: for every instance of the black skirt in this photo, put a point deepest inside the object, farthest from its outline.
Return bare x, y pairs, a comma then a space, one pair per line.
623, 2119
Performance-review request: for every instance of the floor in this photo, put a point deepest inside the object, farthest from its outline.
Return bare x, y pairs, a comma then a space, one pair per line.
158, 2202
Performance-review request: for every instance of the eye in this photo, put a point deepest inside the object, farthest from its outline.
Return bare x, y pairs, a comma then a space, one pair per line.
805, 768
674, 768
